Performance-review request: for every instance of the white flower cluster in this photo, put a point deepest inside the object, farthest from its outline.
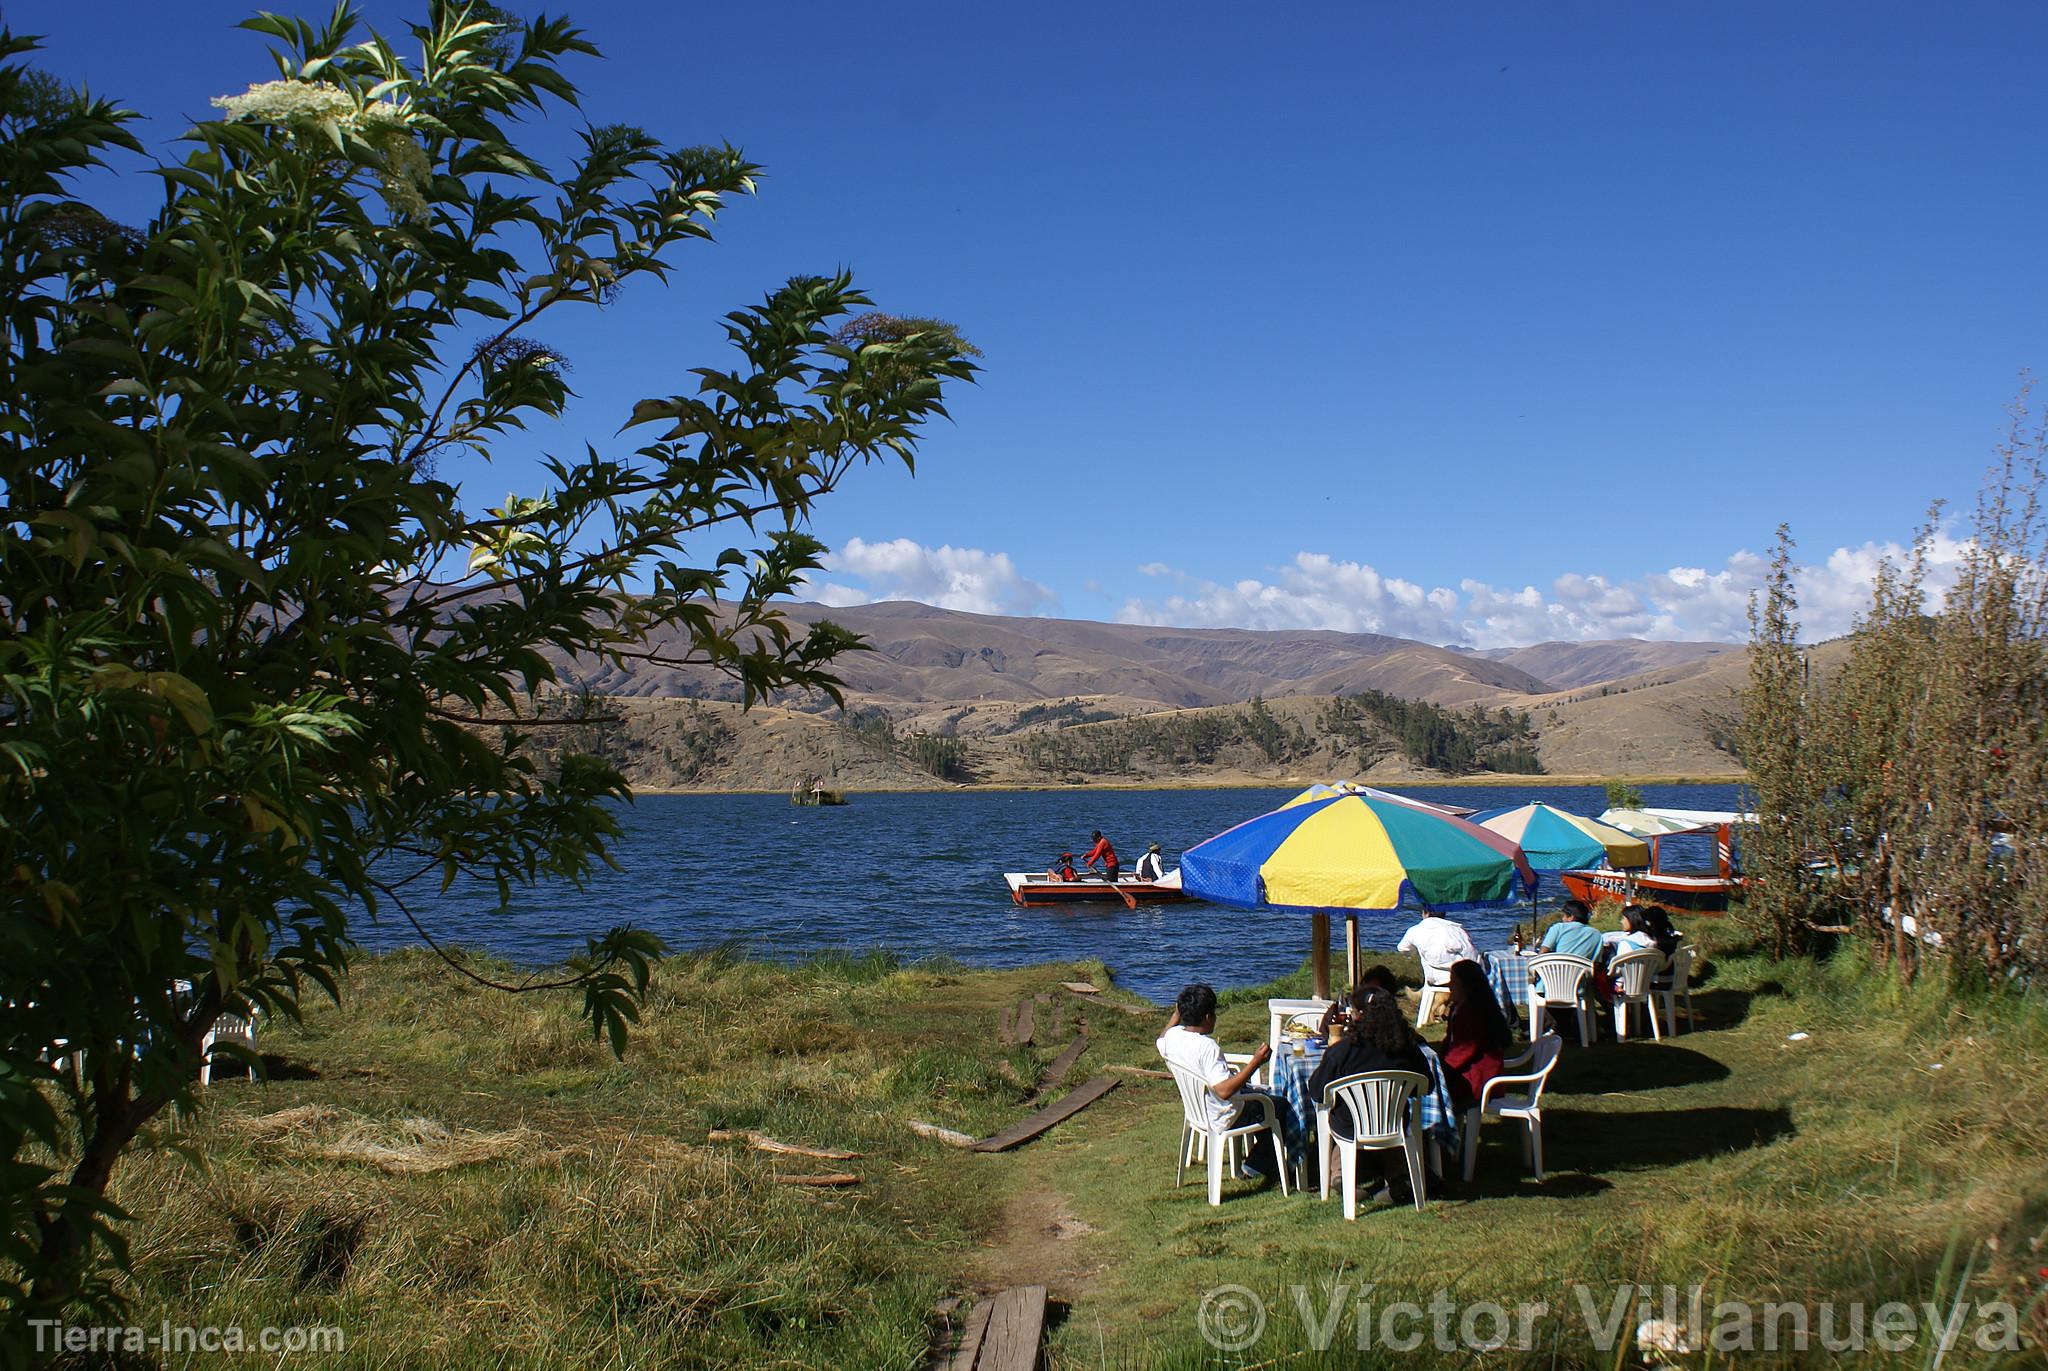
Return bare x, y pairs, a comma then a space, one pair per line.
313, 106
287, 103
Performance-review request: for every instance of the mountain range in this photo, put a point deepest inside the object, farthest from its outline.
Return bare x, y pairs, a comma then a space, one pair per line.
1614, 707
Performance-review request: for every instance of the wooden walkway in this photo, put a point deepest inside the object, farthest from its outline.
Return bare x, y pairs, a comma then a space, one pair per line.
1003, 1333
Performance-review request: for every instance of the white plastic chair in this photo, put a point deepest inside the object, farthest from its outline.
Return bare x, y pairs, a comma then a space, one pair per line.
232, 1027
1280, 1012
1218, 1145
1558, 982
1542, 1058
1436, 987
1672, 985
1385, 1111
1632, 972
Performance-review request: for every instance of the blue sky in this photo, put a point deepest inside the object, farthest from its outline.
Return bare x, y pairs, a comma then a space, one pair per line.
1485, 323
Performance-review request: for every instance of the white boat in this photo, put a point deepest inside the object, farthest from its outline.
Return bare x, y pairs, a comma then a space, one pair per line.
1039, 888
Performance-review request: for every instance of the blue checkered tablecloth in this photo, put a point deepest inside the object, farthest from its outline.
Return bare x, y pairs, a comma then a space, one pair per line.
1508, 974
1298, 1112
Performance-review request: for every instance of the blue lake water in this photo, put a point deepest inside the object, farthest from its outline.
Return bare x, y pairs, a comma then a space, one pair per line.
921, 874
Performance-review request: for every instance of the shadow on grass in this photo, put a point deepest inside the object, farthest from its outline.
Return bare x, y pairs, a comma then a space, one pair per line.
1633, 1066
1714, 1010
276, 1068
1502, 1174
1604, 1143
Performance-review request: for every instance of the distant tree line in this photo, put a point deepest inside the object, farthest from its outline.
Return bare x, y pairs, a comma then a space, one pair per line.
1174, 740
1058, 713
1430, 735
935, 754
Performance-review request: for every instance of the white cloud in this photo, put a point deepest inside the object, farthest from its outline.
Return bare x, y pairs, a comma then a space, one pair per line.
964, 578
1316, 591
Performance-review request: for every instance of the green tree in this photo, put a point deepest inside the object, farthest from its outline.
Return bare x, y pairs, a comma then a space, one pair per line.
263, 661
1775, 738
1622, 795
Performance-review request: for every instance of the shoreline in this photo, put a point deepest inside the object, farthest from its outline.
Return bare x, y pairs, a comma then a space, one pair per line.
1484, 780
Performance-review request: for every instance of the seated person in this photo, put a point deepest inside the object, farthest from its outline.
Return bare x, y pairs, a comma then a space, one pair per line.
1376, 1038
1439, 943
1573, 935
1149, 866
1657, 923
1063, 869
1477, 1039
1188, 1044
1632, 937
1381, 978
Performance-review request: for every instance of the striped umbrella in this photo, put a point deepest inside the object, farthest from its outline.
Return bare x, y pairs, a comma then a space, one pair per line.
1558, 840
1644, 824
1356, 851
1324, 790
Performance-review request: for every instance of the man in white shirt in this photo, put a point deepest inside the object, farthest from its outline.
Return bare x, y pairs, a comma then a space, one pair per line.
1440, 944
1149, 868
1187, 1044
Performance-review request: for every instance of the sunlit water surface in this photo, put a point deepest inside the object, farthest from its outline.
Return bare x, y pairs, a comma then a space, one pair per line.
920, 874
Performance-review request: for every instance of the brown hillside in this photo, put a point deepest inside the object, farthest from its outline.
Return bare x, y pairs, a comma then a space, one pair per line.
1567, 666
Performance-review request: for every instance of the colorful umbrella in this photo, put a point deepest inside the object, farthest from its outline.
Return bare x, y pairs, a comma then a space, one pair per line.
1644, 824
1356, 851
1557, 840
1324, 790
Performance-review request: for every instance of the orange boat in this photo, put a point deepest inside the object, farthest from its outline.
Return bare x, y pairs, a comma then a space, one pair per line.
1704, 892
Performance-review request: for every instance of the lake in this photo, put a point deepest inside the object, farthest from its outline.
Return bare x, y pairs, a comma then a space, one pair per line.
921, 875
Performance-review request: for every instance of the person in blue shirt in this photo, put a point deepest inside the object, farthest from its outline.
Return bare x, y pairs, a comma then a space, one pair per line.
1574, 934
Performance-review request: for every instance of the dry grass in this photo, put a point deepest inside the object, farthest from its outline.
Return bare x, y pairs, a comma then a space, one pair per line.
460, 1178
593, 1224
410, 1146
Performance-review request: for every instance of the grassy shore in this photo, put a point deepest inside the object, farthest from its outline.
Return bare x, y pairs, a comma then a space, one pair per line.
457, 1177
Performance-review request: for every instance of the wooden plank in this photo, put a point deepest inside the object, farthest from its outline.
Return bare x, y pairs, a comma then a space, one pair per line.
1025, 1129
971, 1338
1027, 1022
1141, 1011
1061, 1065
944, 1135
1142, 1071
1006, 1027
1081, 987
761, 1142
1016, 1327
829, 1180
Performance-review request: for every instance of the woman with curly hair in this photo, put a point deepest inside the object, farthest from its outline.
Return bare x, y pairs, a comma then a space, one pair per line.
1376, 1038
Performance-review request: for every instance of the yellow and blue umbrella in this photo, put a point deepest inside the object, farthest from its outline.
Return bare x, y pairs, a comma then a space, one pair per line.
1557, 840
1356, 851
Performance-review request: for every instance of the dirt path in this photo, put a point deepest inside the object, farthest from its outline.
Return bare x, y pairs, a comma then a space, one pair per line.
1038, 1242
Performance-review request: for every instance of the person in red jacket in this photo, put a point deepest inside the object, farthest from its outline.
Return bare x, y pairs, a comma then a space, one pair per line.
1104, 853
1478, 1039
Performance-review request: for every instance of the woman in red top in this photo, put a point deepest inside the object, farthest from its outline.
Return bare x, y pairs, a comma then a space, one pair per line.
1478, 1039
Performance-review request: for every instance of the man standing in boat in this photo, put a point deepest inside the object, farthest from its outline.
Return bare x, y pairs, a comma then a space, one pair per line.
1104, 853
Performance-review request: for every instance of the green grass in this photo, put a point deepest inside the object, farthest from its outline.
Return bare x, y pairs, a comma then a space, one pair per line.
1845, 1166
596, 1226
